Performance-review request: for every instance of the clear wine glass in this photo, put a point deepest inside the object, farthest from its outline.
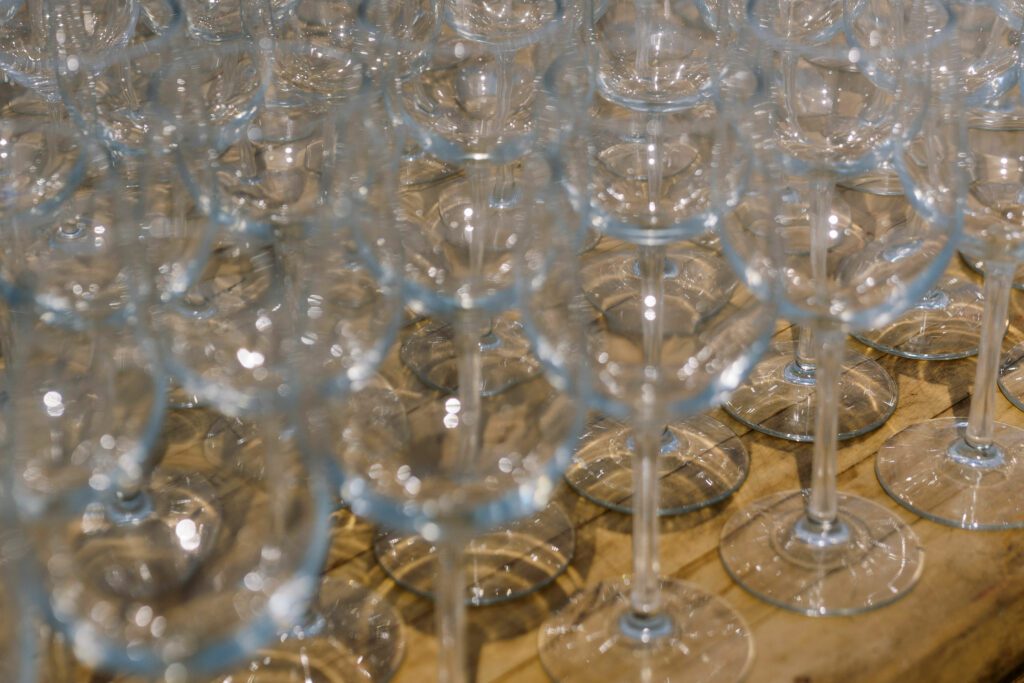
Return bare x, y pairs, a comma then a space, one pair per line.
817, 551
19, 634
955, 471
152, 563
947, 322
336, 277
652, 56
655, 176
780, 397
34, 38
647, 627
106, 93
450, 465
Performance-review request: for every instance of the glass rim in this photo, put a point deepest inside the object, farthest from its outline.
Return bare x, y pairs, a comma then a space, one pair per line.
852, 54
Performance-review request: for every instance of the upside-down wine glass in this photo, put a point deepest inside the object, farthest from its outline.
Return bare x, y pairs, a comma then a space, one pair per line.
817, 551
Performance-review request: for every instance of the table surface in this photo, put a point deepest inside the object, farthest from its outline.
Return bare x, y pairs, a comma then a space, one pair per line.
961, 623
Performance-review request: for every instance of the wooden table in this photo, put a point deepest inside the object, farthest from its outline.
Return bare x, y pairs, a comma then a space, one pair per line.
963, 622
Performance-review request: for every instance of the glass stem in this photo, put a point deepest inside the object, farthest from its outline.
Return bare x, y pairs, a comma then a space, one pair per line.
645, 598
822, 505
649, 431
470, 369
829, 342
450, 612
981, 419
504, 192
804, 356
645, 10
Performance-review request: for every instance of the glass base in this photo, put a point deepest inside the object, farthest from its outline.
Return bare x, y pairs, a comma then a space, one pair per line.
350, 634
928, 469
504, 564
869, 559
1011, 375
697, 638
431, 353
978, 266
698, 283
777, 402
702, 463
143, 548
944, 326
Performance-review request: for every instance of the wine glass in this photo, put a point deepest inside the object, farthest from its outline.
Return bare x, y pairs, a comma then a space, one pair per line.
780, 398
817, 551
946, 323
152, 563
106, 92
655, 57
449, 465
673, 206
33, 40
954, 471
647, 626
337, 277
19, 634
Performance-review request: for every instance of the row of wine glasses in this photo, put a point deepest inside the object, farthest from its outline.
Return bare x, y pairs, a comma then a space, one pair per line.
272, 267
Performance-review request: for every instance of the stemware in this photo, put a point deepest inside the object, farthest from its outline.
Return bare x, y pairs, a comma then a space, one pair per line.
673, 208
472, 108
153, 565
657, 361
780, 396
947, 322
655, 57
955, 471
817, 551
106, 92
339, 278
647, 626
17, 657
32, 41
449, 465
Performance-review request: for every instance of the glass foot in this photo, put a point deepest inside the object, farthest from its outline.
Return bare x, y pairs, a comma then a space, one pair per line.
504, 564
702, 463
697, 638
1011, 375
869, 559
430, 352
143, 548
350, 634
777, 402
928, 469
944, 326
698, 284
